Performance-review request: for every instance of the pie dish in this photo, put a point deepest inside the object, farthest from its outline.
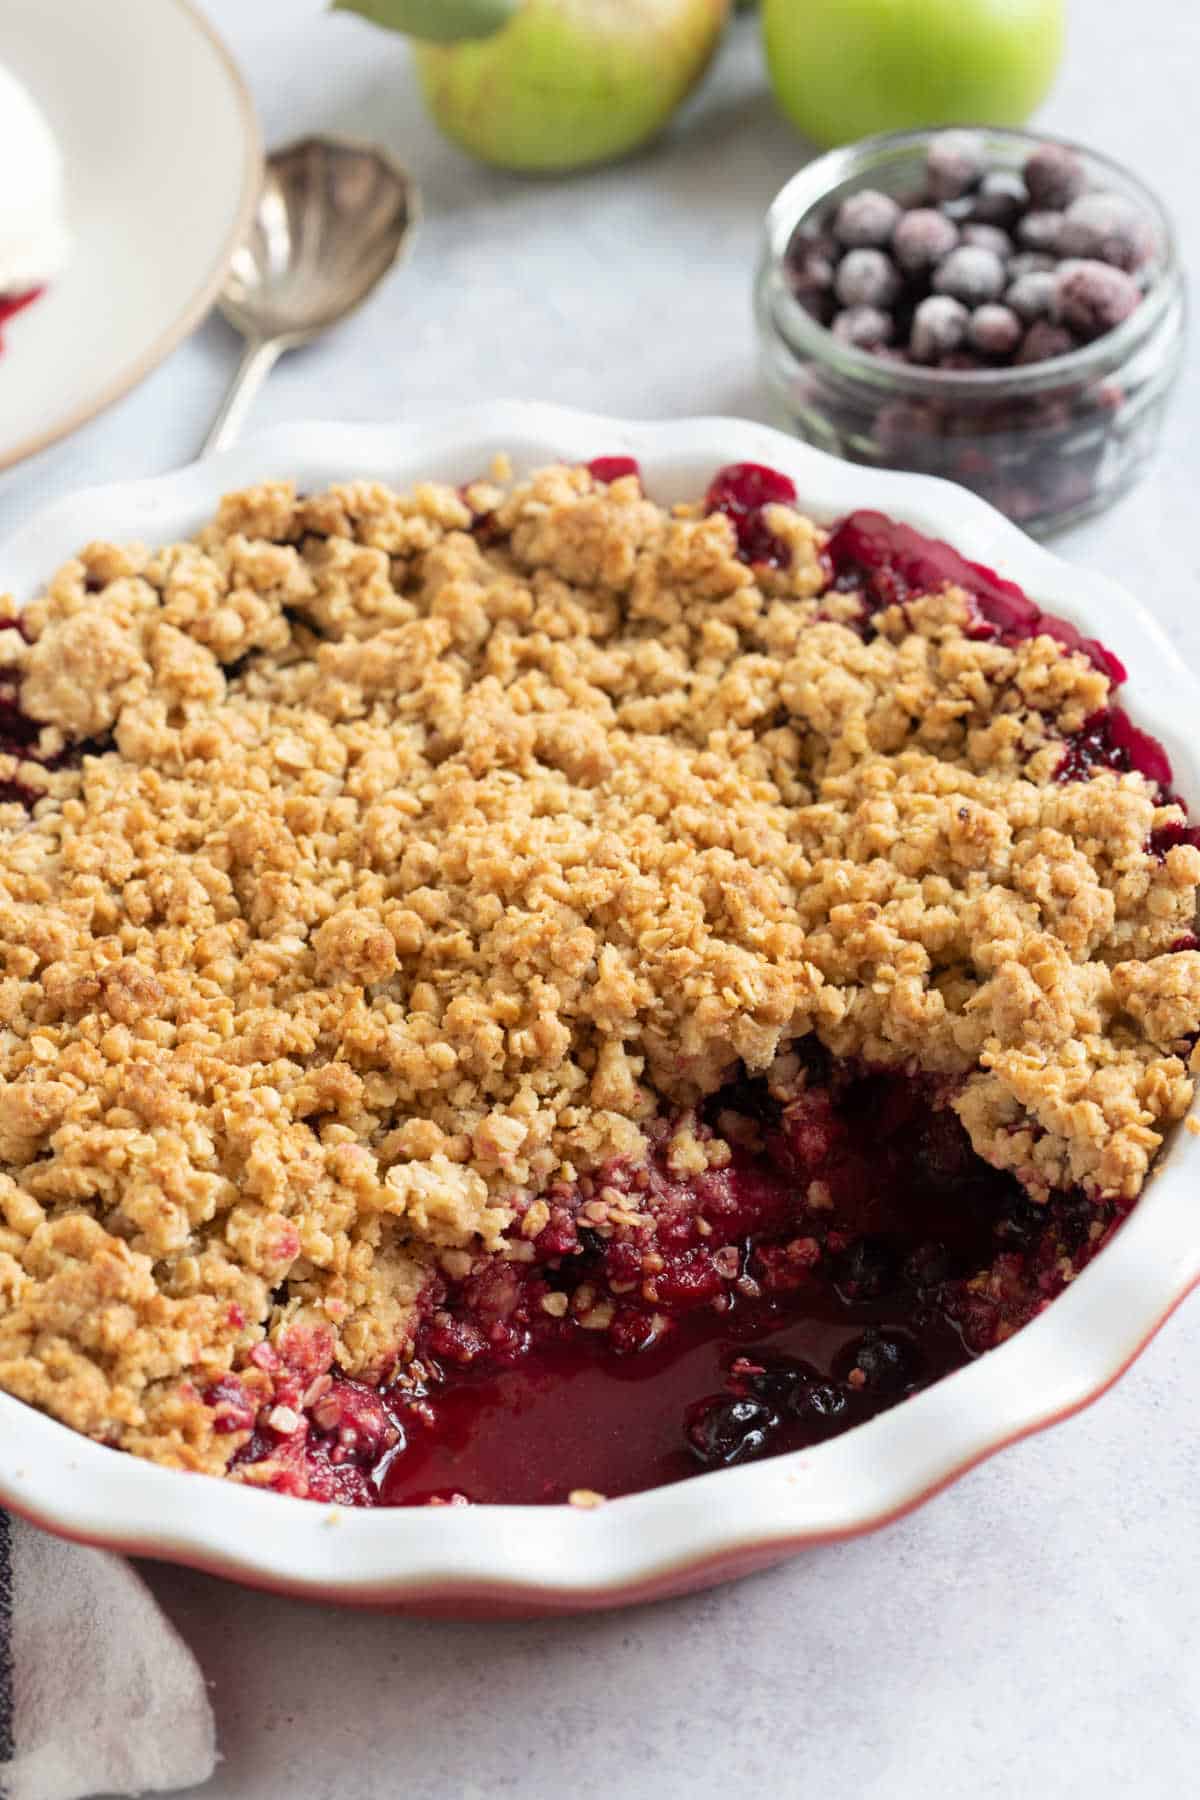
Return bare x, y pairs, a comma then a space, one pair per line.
664, 1539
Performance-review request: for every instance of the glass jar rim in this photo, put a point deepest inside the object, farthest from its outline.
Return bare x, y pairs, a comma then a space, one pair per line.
801, 196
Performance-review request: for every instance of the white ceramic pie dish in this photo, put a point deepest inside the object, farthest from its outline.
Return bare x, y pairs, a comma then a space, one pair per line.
525, 1560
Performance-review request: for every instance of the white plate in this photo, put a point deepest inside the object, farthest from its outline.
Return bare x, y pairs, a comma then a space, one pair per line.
163, 160
530, 1559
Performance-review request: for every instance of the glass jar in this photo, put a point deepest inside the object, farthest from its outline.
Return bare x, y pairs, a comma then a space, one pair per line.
1046, 443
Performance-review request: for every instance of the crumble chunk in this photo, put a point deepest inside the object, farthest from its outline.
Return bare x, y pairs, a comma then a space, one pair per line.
411, 861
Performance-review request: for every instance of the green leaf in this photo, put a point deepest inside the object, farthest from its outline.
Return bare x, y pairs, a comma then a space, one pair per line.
437, 21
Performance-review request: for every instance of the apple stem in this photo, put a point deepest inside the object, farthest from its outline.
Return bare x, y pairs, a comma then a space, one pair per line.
436, 21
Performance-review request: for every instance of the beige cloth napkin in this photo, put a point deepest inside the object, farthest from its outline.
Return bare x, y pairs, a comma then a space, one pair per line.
98, 1692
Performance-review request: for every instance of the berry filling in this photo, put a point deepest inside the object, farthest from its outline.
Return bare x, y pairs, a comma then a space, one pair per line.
613, 468
19, 737
742, 492
1110, 740
890, 562
853, 1251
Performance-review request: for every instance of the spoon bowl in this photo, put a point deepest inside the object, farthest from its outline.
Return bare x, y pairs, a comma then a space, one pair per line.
333, 217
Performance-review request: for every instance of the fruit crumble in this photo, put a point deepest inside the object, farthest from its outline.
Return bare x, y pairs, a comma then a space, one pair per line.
522, 990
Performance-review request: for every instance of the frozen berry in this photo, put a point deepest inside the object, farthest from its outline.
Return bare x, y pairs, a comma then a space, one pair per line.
922, 238
1093, 297
1055, 176
866, 327
970, 274
994, 330
1041, 231
810, 268
954, 163
866, 278
939, 325
1001, 199
1044, 340
1029, 262
815, 294
988, 237
1032, 296
808, 241
1106, 228
866, 220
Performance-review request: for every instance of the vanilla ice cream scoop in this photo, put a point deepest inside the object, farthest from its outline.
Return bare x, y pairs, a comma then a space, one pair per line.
34, 241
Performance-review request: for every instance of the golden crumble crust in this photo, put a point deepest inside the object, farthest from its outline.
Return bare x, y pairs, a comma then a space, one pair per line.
412, 870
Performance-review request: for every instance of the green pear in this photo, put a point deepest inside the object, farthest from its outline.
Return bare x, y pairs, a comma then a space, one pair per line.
843, 69
545, 85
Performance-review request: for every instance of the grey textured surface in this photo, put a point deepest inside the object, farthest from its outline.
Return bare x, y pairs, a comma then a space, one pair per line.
1037, 1628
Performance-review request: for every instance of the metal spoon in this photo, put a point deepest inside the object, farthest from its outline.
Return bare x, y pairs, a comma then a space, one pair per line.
332, 219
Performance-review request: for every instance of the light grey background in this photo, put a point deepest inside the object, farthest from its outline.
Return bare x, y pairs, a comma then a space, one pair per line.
1036, 1630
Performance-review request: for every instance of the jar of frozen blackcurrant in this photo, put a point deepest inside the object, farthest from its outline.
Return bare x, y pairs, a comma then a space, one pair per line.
999, 308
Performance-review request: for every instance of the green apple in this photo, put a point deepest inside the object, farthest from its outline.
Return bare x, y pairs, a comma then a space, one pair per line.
842, 69
542, 85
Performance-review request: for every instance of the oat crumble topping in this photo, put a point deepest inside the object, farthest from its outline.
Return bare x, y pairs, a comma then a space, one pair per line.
426, 848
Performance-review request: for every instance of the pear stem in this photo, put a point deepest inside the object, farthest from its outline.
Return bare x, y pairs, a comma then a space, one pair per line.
436, 21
